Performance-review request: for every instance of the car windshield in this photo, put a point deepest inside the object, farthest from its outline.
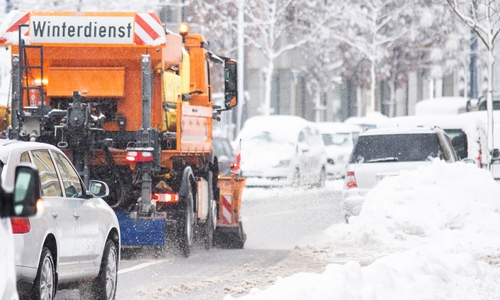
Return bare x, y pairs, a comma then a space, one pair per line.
267, 140
396, 148
335, 139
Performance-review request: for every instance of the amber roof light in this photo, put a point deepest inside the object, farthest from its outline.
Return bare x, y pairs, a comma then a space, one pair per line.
183, 29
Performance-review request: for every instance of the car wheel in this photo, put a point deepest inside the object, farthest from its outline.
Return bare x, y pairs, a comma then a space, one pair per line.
322, 178
186, 228
104, 286
296, 178
44, 286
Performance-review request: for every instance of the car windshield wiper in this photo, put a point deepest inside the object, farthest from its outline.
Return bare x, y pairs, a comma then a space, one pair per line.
383, 159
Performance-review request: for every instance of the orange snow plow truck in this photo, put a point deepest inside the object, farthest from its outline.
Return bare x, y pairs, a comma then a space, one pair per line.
130, 103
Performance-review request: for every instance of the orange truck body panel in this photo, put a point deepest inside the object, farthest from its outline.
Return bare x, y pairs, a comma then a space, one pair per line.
111, 70
101, 55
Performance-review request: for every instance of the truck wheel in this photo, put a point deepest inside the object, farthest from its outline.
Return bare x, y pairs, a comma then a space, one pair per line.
44, 286
210, 226
186, 228
211, 222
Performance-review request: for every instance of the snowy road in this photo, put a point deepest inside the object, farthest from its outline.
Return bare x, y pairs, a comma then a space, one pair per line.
275, 220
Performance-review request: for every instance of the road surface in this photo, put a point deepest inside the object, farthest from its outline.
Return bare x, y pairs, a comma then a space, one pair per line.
275, 220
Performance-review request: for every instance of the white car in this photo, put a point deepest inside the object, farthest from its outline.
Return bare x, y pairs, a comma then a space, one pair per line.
20, 198
75, 240
467, 132
281, 150
383, 152
339, 139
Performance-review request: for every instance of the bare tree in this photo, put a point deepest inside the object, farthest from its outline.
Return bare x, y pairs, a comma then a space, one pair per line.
372, 27
483, 17
88, 5
278, 26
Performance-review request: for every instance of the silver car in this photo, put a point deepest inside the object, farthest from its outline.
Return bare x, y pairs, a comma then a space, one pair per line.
75, 240
383, 152
281, 150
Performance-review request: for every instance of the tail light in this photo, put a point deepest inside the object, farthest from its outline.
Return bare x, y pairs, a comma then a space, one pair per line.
20, 225
350, 180
139, 156
234, 166
166, 197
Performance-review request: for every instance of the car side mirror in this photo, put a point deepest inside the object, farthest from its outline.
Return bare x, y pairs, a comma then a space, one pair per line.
468, 161
25, 200
230, 84
495, 155
98, 189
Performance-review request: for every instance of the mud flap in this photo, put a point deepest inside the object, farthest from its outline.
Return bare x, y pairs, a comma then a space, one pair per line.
229, 232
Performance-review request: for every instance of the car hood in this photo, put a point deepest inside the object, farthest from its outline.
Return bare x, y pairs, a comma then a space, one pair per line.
332, 151
263, 158
368, 175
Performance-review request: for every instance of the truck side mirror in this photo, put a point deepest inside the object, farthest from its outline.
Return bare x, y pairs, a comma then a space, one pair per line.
23, 201
230, 84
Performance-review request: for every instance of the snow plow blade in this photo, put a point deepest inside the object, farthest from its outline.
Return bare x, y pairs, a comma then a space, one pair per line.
141, 232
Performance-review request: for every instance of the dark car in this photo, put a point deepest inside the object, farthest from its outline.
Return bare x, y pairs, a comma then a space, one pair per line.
224, 152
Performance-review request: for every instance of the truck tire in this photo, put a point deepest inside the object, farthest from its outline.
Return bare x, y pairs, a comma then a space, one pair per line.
186, 226
209, 227
211, 222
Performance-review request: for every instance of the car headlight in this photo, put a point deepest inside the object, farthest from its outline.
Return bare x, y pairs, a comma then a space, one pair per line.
282, 164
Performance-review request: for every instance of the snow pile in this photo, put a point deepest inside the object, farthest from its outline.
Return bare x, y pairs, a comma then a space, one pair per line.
433, 228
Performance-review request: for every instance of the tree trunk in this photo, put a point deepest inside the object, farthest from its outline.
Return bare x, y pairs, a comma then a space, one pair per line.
372, 86
392, 100
269, 79
489, 98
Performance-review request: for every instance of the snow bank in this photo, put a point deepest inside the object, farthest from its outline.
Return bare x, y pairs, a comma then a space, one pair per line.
433, 228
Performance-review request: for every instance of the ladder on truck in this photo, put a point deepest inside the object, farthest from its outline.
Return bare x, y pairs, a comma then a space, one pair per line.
25, 86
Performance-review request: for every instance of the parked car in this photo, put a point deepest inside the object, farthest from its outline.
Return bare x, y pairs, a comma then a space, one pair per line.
77, 237
467, 133
339, 139
483, 115
225, 155
370, 120
19, 198
384, 152
281, 150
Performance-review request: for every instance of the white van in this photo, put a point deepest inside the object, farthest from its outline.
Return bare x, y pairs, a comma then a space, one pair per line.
467, 133
281, 150
444, 106
482, 115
